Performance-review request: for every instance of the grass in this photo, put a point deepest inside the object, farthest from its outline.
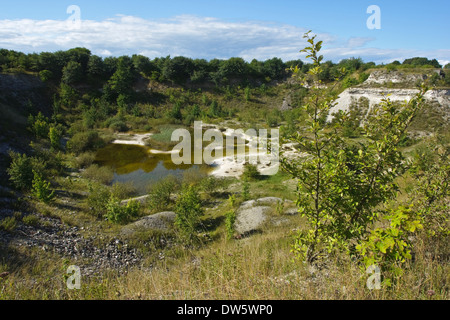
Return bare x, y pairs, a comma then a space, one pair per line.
260, 267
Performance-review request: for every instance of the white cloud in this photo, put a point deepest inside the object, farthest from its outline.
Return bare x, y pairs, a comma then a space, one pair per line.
191, 36
357, 42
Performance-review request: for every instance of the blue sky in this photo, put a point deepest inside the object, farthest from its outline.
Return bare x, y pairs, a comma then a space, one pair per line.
208, 29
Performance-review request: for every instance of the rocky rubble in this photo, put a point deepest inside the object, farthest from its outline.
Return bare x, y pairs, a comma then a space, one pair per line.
52, 235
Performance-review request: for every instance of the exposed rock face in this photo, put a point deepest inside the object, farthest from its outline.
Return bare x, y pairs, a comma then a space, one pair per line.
383, 77
375, 95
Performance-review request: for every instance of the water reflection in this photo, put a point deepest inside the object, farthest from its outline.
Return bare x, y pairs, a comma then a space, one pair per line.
136, 164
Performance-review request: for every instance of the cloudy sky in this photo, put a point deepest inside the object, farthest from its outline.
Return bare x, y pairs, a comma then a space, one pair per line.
251, 29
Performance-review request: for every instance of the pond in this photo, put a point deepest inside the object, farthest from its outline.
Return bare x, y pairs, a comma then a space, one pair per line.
132, 160
136, 164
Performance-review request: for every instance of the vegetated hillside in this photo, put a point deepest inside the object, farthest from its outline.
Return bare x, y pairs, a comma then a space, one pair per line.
239, 241
20, 95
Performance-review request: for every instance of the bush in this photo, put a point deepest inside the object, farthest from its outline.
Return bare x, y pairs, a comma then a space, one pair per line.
97, 200
103, 175
55, 134
45, 75
349, 82
8, 224
230, 219
210, 184
250, 172
41, 189
84, 160
188, 211
117, 213
118, 125
31, 220
85, 141
39, 125
21, 170
161, 192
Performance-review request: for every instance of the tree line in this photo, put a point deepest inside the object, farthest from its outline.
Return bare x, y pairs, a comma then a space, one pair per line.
79, 65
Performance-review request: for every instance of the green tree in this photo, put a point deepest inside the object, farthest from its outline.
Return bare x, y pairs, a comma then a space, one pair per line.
178, 69
175, 113
39, 125
230, 220
55, 134
342, 187
21, 170
188, 211
72, 73
41, 188
121, 81
419, 61
95, 67
45, 75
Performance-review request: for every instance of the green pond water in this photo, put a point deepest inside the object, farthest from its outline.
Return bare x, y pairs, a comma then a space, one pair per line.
131, 163
136, 164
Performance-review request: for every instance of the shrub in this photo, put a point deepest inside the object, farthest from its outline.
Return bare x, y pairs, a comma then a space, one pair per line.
54, 134
230, 219
41, 189
118, 125
349, 82
20, 171
85, 141
209, 185
103, 175
117, 213
45, 75
188, 211
31, 220
84, 160
161, 192
97, 200
250, 172
8, 224
232, 200
39, 125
